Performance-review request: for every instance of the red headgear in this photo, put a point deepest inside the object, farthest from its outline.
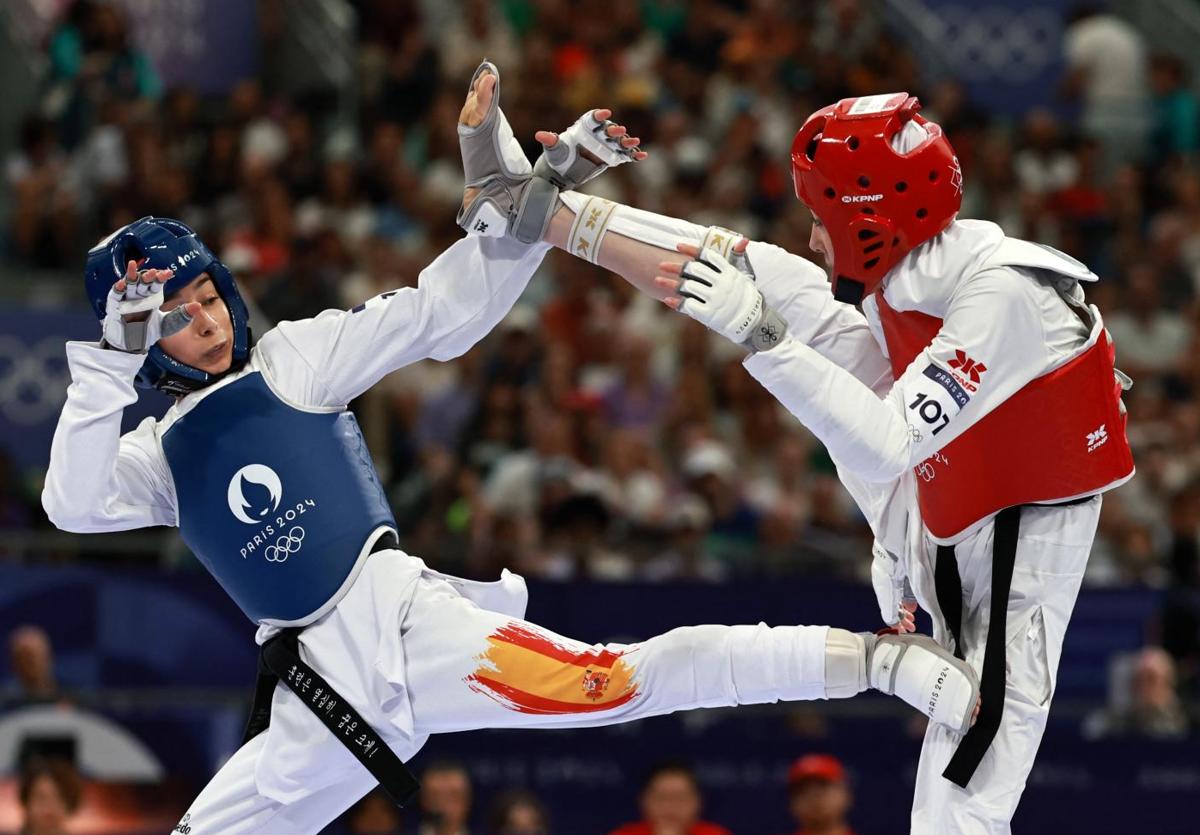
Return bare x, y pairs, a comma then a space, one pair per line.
877, 203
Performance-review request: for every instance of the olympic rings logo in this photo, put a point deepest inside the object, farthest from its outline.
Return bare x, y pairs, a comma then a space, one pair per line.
285, 546
995, 40
33, 379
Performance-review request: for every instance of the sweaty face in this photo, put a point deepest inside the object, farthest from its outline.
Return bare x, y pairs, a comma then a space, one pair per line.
207, 343
819, 241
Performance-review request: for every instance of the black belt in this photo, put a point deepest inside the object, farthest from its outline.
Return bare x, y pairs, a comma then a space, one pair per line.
992, 680
992, 683
279, 660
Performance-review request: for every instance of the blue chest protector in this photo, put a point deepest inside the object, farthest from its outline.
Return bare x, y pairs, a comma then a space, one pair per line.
275, 501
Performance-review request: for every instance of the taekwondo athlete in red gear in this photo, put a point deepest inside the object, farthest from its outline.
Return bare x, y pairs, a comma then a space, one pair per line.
972, 406
1006, 388
263, 469
977, 443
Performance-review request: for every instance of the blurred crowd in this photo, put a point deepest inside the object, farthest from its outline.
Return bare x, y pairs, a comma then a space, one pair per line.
596, 434
1143, 704
670, 802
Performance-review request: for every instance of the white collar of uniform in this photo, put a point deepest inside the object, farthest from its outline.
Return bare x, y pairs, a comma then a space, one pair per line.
926, 278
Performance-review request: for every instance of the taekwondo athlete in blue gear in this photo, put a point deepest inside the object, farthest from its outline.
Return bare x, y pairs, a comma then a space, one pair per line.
260, 464
320, 499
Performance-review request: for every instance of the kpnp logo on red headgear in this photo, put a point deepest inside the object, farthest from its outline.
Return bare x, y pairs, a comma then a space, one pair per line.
877, 197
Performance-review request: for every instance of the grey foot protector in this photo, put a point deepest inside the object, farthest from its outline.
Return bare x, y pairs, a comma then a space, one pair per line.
509, 195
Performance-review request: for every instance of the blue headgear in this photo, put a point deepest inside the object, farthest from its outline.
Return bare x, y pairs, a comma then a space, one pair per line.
167, 244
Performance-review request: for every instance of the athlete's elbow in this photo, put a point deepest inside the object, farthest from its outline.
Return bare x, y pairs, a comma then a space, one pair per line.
62, 521
881, 466
60, 514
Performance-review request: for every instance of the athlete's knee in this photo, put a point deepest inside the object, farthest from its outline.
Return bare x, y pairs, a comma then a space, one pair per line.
690, 665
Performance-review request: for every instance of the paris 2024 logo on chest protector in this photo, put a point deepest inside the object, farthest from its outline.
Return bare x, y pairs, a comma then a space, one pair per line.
254, 494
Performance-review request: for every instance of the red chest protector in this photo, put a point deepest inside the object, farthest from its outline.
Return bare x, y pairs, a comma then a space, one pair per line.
1060, 437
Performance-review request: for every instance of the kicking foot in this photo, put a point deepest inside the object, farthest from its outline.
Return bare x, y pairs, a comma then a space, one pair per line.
502, 197
927, 676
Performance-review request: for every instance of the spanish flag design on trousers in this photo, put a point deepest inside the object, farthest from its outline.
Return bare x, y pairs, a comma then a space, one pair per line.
528, 672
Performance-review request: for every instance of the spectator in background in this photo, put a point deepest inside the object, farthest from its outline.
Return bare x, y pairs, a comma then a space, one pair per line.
375, 814
518, 813
1154, 709
92, 59
1184, 519
445, 800
31, 659
17, 511
44, 203
1181, 635
712, 474
819, 796
576, 533
686, 556
1106, 58
49, 793
671, 805
1176, 131
1043, 165
480, 28
636, 400
1152, 338
1181, 613
515, 482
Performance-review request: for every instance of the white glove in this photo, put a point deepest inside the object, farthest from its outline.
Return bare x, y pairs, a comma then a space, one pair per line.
896, 600
568, 169
724, 299
132, 319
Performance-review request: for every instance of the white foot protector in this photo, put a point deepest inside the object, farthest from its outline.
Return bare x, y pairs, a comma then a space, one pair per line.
913, 667
926, 675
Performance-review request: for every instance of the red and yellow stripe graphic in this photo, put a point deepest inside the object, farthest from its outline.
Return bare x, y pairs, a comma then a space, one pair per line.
527, 671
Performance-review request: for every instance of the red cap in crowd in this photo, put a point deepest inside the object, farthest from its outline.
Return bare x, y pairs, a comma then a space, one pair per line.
816, 767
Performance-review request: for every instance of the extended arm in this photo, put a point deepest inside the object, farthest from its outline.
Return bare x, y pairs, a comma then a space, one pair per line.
458, 299
635, 244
